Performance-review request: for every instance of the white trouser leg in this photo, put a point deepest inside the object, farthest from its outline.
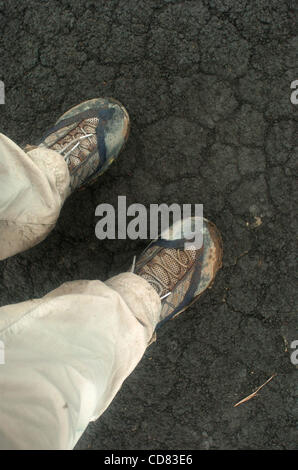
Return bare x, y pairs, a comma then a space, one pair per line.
33, 188
66, 356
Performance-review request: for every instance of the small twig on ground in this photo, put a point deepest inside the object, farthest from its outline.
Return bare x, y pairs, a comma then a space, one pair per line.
252, 395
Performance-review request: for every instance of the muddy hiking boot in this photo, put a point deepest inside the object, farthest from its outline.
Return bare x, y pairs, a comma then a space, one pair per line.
89, 136
180, 275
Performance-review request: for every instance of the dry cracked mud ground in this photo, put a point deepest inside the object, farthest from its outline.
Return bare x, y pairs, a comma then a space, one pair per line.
207, 86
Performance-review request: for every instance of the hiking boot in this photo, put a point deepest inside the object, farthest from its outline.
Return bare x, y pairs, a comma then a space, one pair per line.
89, 137
181, 275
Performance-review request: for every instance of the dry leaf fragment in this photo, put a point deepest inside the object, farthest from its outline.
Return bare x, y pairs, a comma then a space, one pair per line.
252, 395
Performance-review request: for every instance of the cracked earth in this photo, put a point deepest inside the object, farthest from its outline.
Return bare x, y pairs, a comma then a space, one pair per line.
207, 86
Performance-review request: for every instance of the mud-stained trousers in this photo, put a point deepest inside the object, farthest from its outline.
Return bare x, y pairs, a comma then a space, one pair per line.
64, 356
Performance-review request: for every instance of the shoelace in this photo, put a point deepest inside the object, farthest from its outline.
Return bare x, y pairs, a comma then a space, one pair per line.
163, 266
132, 269
78, 140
